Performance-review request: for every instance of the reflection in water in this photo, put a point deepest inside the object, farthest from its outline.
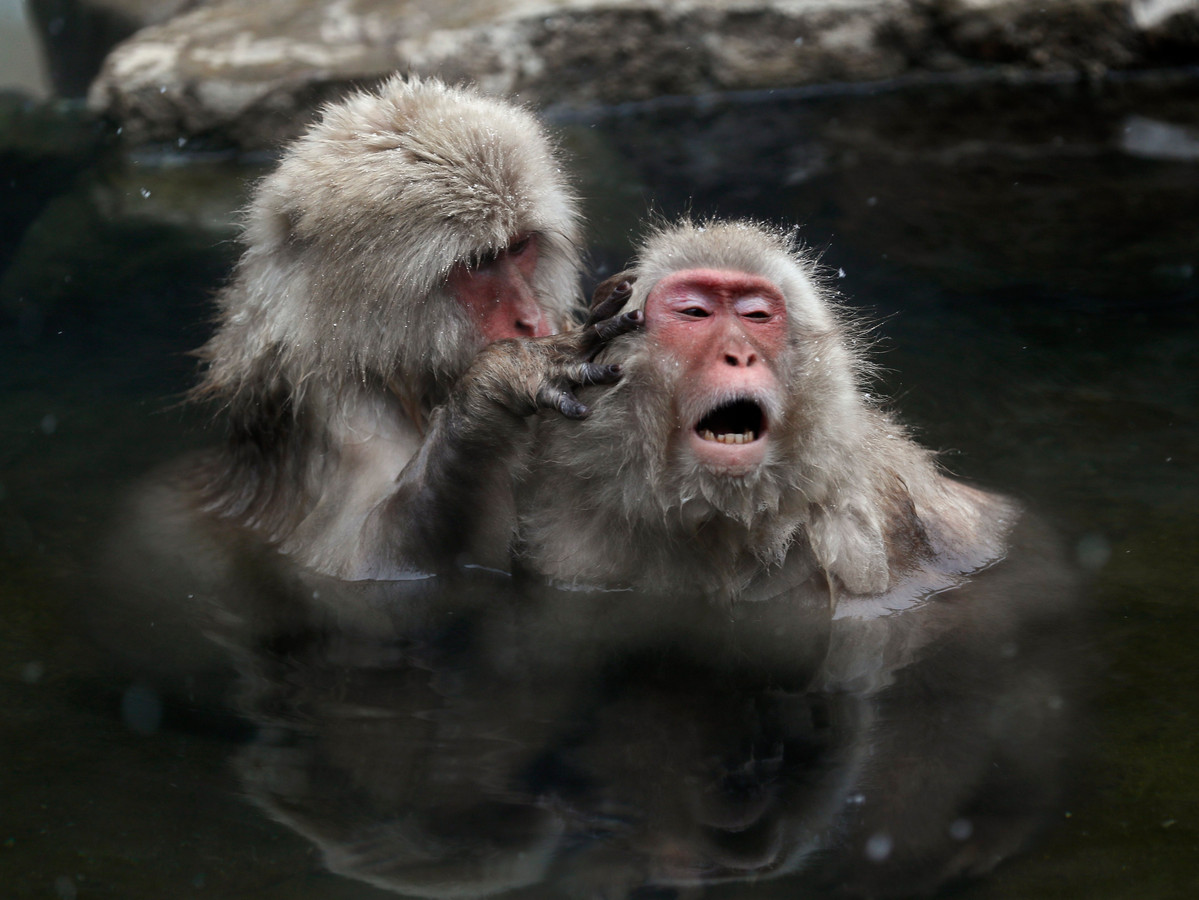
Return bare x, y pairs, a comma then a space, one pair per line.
472, 735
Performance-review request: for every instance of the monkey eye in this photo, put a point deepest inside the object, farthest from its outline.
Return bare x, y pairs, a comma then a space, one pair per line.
757, 314
695, 312
520, 245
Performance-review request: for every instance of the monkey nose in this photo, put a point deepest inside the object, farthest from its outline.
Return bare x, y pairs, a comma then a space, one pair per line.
530, 320
740, 358
531, 326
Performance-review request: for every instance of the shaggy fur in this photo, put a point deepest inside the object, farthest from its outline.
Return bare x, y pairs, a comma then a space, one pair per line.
616, 500
336, 334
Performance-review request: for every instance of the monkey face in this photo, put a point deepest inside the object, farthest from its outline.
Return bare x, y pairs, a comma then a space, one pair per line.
497, 291
723, 331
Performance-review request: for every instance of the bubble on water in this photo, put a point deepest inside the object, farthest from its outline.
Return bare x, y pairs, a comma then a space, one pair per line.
1092, 551
878, 847
961, 829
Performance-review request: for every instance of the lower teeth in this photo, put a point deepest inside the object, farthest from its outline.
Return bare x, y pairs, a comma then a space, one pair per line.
728, 438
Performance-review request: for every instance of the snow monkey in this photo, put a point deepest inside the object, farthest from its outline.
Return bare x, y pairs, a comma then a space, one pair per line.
408, 228
737, 455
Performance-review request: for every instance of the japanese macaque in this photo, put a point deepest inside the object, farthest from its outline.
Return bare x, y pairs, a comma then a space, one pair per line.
738, 455
403, 232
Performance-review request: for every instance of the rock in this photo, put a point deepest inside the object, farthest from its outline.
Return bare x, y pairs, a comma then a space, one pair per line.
251, 74
76, 35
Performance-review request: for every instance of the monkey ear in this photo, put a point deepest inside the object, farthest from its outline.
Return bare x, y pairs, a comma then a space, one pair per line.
848, 542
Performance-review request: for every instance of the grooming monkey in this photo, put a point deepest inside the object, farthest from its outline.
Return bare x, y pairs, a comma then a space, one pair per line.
407, 229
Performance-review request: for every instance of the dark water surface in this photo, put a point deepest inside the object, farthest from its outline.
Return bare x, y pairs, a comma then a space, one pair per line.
1031, 257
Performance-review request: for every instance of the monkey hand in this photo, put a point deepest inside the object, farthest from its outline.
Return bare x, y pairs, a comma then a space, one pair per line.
521, 376
610, 295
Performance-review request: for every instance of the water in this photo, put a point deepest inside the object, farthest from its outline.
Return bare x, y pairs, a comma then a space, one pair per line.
1029, 256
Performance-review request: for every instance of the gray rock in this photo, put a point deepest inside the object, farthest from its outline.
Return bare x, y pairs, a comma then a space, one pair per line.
251, 74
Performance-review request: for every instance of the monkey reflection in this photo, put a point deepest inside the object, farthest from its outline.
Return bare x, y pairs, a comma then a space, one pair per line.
404, 231
467, 738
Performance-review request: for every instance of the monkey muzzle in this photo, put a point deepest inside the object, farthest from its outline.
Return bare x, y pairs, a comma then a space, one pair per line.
737, 422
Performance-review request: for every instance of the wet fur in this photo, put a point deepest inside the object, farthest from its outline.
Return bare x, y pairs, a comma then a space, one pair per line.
336, 334
614, 501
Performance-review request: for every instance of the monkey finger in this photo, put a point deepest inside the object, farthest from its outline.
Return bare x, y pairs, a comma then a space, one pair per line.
617, 325
564, 401
592, 373
620, 284
597, 335
605, 308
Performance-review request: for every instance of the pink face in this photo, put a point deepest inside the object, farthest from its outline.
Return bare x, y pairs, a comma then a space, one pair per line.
725, 330
498, 294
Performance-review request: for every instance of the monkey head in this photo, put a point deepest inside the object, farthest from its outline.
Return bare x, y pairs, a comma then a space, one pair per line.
407, 228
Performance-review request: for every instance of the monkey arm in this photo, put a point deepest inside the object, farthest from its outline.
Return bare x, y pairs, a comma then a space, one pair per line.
457, 485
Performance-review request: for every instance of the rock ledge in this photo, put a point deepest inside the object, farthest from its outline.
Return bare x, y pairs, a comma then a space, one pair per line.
250, 74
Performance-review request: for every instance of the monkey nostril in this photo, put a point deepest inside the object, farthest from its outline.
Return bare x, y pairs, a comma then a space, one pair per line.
731, 360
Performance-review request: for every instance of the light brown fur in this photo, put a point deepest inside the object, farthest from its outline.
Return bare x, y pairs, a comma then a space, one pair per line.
337, 334
616, 500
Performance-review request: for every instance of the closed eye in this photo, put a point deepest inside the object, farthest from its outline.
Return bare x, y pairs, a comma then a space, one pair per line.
695, 312
760, 314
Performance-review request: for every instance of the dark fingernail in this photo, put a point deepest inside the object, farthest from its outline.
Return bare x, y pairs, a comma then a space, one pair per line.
615, 369
635, 316
623, 288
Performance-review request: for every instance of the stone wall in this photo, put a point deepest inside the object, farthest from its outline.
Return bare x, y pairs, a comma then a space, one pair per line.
251, 74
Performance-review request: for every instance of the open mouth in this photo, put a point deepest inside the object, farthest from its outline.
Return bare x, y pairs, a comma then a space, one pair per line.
738, 422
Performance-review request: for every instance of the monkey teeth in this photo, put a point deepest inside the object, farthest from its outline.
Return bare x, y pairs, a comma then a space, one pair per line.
734, 423
744, 437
